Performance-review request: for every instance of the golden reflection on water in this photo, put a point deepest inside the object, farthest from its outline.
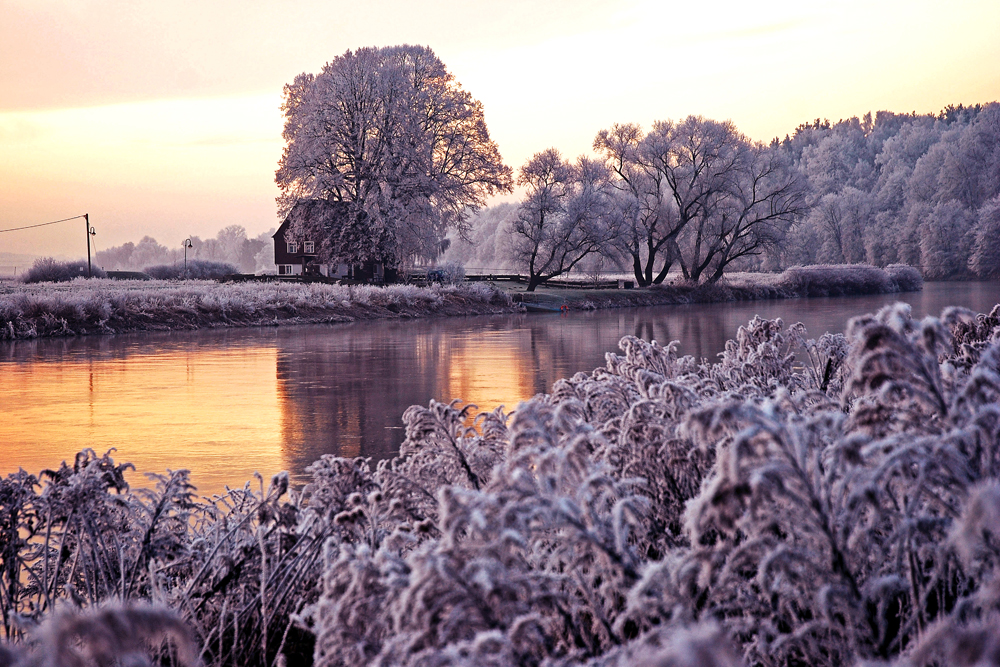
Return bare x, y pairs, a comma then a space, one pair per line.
489, 372
345, 393
203, 410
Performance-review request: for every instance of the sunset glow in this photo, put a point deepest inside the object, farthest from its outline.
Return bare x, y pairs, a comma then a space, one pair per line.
164, 119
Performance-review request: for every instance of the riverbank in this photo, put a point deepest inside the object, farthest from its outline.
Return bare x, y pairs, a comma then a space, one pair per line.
793, 283
107, 306
86, 307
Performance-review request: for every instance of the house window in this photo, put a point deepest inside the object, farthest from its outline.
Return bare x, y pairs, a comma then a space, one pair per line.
293, 247
309, 248
284, 269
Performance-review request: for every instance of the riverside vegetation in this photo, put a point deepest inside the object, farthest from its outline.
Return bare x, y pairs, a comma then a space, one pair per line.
825, 501
108, 306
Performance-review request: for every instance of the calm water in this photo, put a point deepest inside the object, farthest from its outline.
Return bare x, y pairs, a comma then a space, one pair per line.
226, 403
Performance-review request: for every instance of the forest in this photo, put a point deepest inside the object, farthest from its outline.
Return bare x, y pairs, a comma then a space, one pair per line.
803, 501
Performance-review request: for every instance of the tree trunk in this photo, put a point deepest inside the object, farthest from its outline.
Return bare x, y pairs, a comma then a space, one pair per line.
640, 280
673, 253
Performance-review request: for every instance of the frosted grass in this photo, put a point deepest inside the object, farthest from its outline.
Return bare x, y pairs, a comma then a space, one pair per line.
109, 306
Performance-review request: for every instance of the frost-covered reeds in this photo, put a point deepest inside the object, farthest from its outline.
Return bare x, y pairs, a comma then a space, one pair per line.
830, 501
109, 306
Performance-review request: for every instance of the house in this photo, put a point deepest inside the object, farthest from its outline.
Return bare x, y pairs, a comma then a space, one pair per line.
301, 257
296, 258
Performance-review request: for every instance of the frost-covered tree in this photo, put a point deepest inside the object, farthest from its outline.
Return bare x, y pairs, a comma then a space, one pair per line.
901, 179
563, 217
842, 220
389, 133
945, 240
764, 195
695, 160
696, 193
485, 246
230, 246
985, 258
148, 252
642, 204
843, 158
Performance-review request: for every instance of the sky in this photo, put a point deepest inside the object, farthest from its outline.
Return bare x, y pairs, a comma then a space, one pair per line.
162, 117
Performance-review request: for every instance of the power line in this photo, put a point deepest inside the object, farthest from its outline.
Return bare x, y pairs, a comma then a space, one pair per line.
17, 229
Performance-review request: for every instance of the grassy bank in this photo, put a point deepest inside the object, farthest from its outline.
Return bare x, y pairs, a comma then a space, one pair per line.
107, 306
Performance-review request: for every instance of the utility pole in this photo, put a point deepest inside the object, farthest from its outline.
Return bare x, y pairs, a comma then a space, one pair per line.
86, 221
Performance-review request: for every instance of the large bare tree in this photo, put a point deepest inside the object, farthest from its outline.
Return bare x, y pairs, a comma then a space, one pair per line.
696, 194
762, 197
641, 204
390, 136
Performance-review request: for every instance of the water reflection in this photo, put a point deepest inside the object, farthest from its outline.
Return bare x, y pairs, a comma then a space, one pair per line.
227, 403
161, 405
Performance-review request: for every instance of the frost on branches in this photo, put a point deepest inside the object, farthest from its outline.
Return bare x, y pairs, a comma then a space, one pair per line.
393, 142
816, 501
828, 501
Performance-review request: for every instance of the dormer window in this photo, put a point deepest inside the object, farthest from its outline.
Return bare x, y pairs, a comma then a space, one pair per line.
309, 248
293, 247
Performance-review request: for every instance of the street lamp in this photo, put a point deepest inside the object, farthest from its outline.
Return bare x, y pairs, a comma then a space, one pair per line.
187, 244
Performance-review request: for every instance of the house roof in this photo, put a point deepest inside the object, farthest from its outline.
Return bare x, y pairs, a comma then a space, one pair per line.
313, 210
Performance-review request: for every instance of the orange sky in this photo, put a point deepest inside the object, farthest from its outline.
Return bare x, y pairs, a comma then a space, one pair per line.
161, 117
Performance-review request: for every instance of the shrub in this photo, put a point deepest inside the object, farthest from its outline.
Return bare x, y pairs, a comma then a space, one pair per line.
48, 270
837, 280
906, 278
197, 269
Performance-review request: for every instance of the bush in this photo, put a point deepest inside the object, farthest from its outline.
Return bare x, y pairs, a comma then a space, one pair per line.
197, 269
48, 270
837, 280
906, 278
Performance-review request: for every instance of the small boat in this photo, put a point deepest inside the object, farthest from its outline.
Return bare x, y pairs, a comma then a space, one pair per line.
543, 308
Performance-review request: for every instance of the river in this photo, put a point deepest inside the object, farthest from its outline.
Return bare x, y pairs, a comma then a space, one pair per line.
226, 403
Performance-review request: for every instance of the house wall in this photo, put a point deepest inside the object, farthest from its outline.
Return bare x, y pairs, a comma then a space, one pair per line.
283, 257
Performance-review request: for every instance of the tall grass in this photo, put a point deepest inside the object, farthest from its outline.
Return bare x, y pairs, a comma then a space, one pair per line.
660, 510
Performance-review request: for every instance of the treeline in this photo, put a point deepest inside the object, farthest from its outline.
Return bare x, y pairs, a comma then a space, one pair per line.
230, 246
699, 198
921, 190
